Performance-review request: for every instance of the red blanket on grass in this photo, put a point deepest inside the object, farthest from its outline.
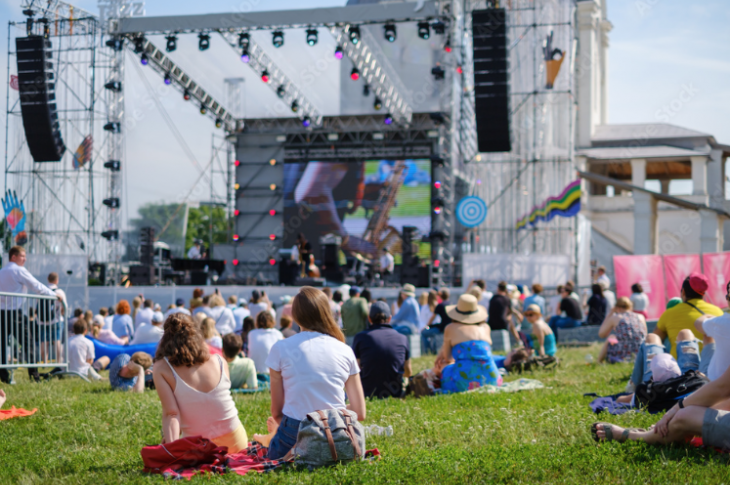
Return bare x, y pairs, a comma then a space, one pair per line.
14, 412
186, 457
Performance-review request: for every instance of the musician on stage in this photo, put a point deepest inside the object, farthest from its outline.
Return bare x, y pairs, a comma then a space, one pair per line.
195, 252
305, 253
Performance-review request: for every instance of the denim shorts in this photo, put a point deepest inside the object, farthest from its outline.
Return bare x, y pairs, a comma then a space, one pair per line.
716, 429
284, 439
690, 357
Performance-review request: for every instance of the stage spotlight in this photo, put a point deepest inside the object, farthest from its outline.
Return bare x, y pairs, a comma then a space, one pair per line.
272, 187
265, 76
236, 212
438, 73
171, 43
339, 54
424, 30
377, 104
355, 74
366, 90
447, 46
280, 91
390, 33
203, 110
437, 210
168, 79
186, 95
144, 59
244, 40
203, 42
294, 106
236, 186
436, 263
218, 122
437, 185
312, 37
272, 212
306, 122
237, 163
245, 57
272, 237
235, 262
439, 27
236, 237
272, 262
139, 45
272, 162
388, 119
277, 38
355, 35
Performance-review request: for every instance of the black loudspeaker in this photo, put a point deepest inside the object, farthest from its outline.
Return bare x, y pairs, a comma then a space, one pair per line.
147, 245
409, 262
491, 83
141, 275
38, 99
198, 278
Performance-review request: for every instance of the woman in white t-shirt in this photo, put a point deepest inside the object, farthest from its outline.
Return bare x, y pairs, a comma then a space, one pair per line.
428, 302
225, 322
261, 340
310, 371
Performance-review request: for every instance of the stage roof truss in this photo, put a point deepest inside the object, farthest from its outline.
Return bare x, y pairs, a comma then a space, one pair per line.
282, 19
260, 61
159, 61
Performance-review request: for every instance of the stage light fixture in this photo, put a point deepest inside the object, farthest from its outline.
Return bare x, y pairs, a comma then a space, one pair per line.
277, 38
218, 122
339, 53
114, 86
355, 35
377, 104
245, 57
144, 59
272, 187
236, 212
236, 186
366, 90
236, 237
459, 69
390, 32
355, 74
244, 40
294, 106
203, 110
439, 27
139, 45
272, 262
186, 95
116, 44
438, 73
171, 43
265, 76
272, 162
424, 30
306, 122
388, 119
447, 46
112, 202
272, 212
272, 237
437, 185
168, 79
113, 165
203, 42
237, 163
312, 37
436, 263
437, 210
110, 235
235, 262
281, 91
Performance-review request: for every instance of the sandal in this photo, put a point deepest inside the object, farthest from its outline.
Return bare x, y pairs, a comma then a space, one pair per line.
608, 429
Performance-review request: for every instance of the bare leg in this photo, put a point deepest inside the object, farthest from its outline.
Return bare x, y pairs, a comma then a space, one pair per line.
101, 363
653, 338
625, 399
272, 427
687, 423
603, 353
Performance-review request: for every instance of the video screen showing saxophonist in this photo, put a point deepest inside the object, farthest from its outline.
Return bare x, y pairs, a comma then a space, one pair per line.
365, 203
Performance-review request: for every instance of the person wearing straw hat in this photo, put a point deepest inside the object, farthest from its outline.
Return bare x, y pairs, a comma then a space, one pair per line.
542, 336
468, 339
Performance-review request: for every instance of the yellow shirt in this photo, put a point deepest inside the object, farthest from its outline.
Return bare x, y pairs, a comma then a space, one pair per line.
683, 316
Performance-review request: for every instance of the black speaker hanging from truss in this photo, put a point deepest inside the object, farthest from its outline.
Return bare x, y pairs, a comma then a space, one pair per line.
38, 99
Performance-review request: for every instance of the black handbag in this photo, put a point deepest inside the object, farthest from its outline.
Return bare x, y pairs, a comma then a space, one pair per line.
656, 397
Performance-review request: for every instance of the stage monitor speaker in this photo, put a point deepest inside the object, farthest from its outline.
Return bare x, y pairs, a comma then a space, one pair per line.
38, 99
491, 83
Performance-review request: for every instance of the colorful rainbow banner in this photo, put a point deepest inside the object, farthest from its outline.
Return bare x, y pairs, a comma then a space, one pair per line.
567, 204
83, 153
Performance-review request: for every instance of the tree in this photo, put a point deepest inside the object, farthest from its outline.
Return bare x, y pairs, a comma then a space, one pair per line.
170, 217
199, 226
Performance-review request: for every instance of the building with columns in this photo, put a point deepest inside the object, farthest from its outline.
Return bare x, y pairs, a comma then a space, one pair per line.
628, 169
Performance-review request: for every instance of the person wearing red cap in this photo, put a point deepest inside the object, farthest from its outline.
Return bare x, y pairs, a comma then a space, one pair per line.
684, 315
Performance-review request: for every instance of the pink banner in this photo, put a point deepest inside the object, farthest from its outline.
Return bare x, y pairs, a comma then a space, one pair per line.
676, 268
717, 270
646, 270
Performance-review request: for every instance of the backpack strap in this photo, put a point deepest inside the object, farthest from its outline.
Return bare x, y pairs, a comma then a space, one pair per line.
693, 306
328, 433
351, 433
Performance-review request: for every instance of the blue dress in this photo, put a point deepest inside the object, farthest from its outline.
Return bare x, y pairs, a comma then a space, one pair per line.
474, 367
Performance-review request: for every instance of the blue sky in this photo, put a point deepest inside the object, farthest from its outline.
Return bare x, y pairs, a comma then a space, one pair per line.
659, 48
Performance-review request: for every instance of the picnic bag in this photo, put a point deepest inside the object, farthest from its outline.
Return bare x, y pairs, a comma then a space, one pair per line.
662, 396
520, 365
328, 437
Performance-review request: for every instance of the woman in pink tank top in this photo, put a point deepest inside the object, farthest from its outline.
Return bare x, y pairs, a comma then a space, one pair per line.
195, 388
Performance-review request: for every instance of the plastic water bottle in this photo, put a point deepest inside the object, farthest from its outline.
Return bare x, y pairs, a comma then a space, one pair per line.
375, 430
589, 359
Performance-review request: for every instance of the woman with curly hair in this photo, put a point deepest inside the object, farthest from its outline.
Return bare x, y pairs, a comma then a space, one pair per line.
195, 388
122, 323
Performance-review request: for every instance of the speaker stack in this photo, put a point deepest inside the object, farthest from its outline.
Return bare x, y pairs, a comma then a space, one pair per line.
144, 274
410, 269
491, 83
38, 99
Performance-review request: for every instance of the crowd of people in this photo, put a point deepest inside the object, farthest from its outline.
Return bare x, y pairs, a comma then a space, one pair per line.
322, 348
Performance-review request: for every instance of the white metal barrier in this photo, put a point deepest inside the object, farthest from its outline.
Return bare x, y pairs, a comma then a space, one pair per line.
33, 332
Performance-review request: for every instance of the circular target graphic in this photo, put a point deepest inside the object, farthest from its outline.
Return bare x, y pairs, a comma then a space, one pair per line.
471, 211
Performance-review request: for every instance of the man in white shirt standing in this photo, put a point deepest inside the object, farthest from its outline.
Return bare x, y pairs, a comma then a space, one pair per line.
144, 316
14, 278
602, 278
51, 334
387, 265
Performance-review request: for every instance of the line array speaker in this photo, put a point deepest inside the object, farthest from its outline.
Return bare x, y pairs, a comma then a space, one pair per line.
38, 99
491, 83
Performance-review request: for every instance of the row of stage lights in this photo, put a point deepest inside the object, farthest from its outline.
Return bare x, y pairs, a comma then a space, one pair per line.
272, 212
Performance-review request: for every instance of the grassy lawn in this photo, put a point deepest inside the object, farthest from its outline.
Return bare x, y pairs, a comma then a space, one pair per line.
84, 433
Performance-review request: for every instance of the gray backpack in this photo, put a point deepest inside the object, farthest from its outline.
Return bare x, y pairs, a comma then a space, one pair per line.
329, 437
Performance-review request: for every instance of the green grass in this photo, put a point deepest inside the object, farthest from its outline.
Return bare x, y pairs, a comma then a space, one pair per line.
85, 433
412, 202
